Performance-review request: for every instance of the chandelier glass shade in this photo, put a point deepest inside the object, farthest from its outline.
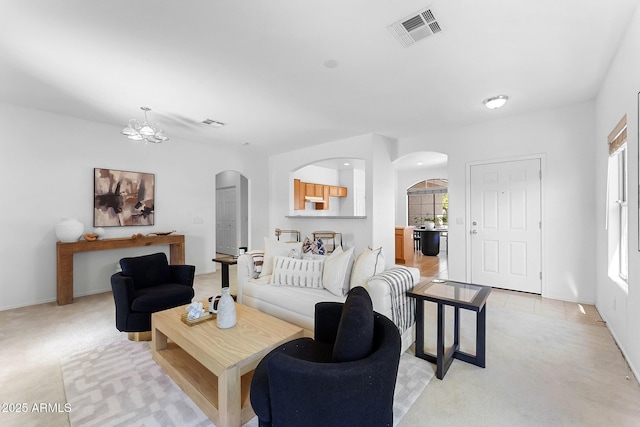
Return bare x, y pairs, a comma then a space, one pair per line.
145, 131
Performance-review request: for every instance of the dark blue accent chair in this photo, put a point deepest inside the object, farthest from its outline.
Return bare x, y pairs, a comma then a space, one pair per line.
345, 376
148, 284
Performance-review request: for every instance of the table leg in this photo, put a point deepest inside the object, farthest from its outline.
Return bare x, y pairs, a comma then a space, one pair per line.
229, 404
64, 277
158, 340
225, 275
440, 364
176, 253
420, 328
481, 325
456, 328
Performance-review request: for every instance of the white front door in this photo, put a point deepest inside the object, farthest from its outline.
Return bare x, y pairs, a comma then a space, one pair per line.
506, 225
226, 236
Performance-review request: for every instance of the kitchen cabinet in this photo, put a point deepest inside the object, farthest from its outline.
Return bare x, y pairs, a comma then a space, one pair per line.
404, 245
303, 189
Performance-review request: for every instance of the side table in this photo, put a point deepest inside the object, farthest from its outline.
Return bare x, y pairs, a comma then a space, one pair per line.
458, 295
226, 261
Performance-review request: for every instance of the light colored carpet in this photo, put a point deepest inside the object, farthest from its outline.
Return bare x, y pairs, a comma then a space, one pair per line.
532, 377
120, 384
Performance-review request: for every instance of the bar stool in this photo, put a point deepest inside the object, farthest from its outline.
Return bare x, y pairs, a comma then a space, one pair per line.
416, 240
295, 233
326, 236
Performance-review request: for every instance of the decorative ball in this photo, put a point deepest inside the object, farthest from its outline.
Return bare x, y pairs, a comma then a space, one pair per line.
100, 232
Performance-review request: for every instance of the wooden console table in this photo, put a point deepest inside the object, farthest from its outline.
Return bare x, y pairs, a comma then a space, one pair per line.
65, 251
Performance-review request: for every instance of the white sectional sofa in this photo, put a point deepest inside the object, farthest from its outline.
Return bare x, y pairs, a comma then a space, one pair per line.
295, 301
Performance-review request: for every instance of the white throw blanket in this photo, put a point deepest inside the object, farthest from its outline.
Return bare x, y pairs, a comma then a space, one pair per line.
403, 308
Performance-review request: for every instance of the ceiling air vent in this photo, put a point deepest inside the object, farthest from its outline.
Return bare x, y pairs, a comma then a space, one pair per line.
213, 123
415, 27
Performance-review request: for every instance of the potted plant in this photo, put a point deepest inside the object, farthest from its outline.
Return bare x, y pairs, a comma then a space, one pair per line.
429, 223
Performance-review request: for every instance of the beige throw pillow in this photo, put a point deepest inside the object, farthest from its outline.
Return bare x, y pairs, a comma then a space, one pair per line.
337, 271
273, 248
369, 263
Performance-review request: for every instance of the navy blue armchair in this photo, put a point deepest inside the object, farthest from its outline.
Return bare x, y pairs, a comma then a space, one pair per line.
148, 284
345, 376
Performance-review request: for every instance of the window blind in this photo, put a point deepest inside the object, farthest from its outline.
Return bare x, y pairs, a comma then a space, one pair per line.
618, 136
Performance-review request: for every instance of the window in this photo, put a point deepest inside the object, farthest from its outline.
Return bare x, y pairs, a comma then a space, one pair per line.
428, 201
618, 209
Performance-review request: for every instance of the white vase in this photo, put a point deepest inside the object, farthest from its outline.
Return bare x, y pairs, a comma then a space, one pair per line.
226, 310
69, 230
429, 225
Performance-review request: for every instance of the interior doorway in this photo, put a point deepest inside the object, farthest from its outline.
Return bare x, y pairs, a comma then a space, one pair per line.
232, 212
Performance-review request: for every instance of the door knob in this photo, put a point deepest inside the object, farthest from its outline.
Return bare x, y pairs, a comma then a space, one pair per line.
474, 231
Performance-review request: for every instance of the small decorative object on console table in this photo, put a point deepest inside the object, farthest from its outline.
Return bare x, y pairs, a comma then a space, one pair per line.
69, 230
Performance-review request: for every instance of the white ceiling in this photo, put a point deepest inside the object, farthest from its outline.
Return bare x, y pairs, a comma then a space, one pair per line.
258, 65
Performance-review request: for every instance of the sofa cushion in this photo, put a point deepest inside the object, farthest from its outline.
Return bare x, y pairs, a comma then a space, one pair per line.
161, 297
146, 270
300, 302
369, 263
314, 246
354, 339
258, 260
297, 272
273, 248
336, 275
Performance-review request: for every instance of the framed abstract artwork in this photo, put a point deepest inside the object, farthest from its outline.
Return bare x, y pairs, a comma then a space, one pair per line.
123, 198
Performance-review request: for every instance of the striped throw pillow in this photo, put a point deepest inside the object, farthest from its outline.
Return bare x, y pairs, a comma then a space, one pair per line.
258, 260
304, 273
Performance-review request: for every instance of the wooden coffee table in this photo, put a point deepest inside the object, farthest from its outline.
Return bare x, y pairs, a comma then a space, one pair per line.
214, 366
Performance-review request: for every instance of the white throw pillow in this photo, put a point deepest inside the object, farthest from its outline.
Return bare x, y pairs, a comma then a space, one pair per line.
369, 263
297, 272
337, 271
273, 248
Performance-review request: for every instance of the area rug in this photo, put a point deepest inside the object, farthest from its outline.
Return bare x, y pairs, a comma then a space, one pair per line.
119, 384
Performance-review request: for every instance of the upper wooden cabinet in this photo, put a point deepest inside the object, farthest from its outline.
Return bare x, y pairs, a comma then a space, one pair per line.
303, 189
337, 191
299, 191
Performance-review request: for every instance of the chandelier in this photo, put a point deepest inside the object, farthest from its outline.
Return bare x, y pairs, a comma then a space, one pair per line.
145, 131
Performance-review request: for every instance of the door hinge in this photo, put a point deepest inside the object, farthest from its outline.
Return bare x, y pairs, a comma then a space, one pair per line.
540, 225
541, 275
540, 174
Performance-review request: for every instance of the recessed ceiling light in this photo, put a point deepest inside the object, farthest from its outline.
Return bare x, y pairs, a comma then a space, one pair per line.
420, 163
495, 101
347, 163
213, 123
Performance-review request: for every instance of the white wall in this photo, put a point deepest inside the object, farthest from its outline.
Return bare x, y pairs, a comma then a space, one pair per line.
564, 137
376, 229
46, 170
618, 96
